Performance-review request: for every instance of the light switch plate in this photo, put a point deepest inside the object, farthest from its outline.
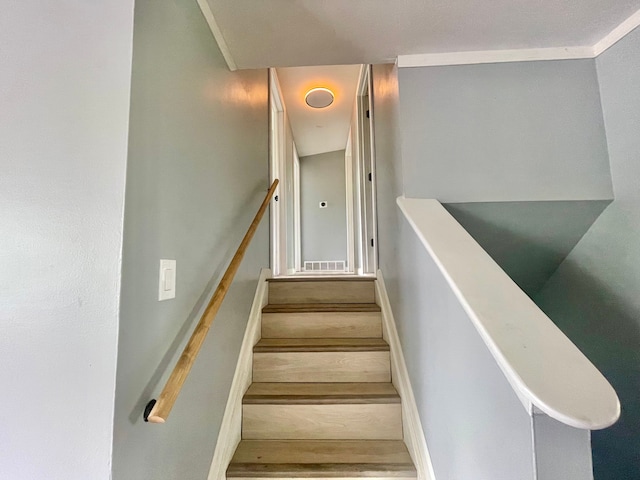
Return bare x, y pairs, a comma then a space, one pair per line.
167, 281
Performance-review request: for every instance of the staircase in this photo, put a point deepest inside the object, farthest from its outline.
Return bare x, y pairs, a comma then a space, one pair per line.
321, 404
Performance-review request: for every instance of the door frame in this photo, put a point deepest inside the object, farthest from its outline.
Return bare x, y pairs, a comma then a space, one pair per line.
277, 216
348, 169
297, 261
368, 257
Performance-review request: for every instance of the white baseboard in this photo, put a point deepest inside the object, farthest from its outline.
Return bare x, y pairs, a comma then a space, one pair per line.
412, 427
231, 427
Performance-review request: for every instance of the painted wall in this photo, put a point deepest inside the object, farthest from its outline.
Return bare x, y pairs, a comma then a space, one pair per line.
386, 108
64, 90
517, 152
450, 367
528, 240
504, 132
324, 230
593, 296
465, 403
197, 172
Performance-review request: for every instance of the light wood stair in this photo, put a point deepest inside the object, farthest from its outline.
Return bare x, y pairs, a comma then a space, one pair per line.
322, 404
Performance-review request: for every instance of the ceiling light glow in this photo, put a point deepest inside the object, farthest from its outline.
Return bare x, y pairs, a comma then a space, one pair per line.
319, 97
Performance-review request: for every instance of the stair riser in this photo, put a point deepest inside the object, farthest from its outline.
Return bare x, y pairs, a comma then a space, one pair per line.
322, 325
322, 367
322, 422
321, 292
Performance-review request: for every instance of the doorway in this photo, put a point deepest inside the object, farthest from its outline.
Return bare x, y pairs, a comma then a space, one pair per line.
367, 225
323, 221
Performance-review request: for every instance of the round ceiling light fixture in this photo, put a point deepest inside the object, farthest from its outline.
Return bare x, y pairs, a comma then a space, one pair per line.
319, 97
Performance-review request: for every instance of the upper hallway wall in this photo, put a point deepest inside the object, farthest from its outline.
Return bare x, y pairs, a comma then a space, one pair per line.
593, 296
323, 230
196, 175
504, 132
64, 105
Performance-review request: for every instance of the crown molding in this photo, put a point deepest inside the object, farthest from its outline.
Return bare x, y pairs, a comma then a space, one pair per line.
217, 34
522, 55
617, 34
494, 56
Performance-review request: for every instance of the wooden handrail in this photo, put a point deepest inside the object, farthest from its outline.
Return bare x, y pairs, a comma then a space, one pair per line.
158, 411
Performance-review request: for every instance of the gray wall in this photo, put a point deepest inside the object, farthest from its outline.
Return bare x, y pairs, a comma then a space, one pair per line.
593, 296
466, 405
386, 108
528, 240
561, 452
451, 369
197, 172
324, 230
516, 151
504, 132
64, 89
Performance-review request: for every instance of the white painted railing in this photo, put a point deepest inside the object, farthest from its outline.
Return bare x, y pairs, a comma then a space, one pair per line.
545, 369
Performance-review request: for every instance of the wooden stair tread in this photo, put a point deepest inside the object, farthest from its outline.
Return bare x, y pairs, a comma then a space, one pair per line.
327, 290
321, 458
321, 279
320, 307
321, 393
280, 345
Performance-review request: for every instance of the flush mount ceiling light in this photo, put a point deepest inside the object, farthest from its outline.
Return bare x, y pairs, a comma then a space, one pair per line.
319, 97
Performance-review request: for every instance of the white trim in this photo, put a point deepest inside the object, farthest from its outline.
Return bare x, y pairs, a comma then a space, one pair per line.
231, 427
522, 55
542, 365
348, 168
297, 262
494, 56
367, 206
374, 189
274, 83
357, 153
617, 34
411, 425
217, 34
277, 160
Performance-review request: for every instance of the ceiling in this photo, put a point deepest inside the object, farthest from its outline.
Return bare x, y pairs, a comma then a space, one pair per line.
319, 130
326, 32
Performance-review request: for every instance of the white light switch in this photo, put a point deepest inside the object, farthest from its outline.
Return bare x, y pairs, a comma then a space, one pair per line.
167, 284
